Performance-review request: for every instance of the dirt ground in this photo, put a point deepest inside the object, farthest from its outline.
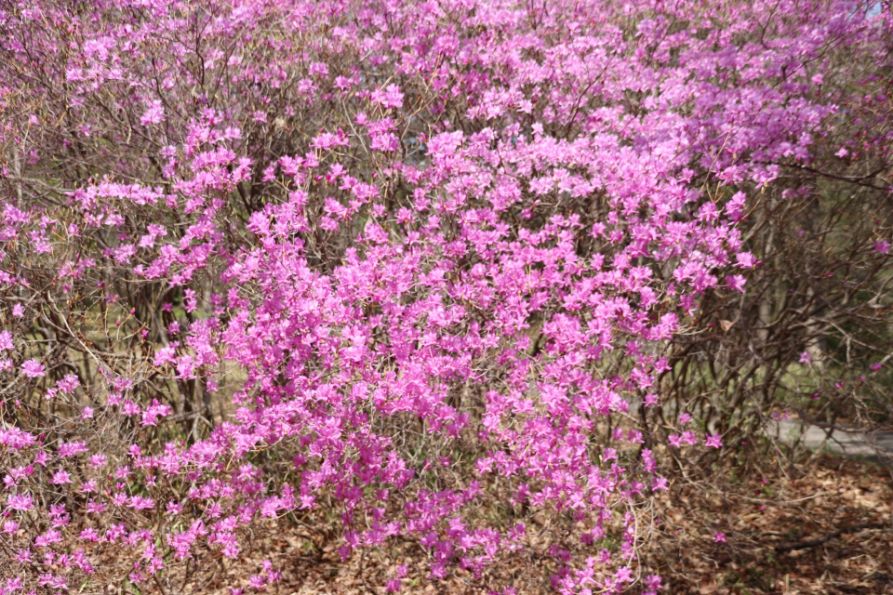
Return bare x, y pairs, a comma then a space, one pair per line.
825, 528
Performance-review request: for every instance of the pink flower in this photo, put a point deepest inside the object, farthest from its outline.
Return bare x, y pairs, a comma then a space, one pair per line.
882, 247
71, 449
390, 97
19, 502
736, 282
719, 537
61, 477
155, 411
33, 368
48, 538
10, 527
713, 441
746, 260
154, 114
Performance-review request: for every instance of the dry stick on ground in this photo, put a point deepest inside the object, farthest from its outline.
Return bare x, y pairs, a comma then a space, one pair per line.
802, 545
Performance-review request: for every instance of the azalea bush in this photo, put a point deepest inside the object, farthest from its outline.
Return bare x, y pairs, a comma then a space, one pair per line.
431, 268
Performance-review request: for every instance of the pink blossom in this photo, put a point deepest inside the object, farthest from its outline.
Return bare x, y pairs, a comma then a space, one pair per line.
388, 262
6, 342
736, 282
390, 97
61, 477
154, 114
19, 502
32, 368
746, 260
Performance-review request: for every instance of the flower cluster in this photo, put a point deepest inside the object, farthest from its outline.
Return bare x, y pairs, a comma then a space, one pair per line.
400, 260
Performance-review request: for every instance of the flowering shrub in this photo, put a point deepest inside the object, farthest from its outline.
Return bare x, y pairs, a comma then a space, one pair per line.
425, 259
